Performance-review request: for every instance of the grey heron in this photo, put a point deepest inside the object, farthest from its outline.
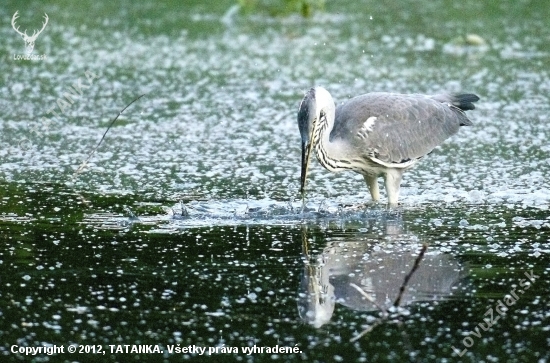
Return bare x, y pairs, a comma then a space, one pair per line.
377, 134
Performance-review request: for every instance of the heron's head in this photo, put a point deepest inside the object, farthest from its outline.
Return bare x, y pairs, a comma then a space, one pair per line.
316, 102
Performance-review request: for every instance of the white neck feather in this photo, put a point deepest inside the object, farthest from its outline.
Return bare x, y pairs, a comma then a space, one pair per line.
325, 111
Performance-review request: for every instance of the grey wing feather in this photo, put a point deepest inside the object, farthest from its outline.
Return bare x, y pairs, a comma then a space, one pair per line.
396, 128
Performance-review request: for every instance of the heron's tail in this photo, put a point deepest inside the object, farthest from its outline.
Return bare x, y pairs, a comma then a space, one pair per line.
461, 102
465, 101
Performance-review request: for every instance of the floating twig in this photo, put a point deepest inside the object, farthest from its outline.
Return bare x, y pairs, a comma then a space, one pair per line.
85, 162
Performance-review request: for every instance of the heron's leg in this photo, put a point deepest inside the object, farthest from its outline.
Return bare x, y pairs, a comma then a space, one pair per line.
372, 183
393, 183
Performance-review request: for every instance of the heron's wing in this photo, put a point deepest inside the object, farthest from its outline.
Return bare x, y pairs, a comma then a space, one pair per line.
396, 128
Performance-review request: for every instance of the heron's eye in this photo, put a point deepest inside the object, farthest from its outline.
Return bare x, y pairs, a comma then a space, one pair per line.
322, 115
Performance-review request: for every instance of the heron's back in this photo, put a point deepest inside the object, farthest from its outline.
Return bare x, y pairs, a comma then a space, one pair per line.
396, 128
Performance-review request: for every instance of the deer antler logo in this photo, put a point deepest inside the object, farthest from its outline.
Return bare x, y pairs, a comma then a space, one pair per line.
29, 40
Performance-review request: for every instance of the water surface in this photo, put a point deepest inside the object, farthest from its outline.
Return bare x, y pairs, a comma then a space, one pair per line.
187, 228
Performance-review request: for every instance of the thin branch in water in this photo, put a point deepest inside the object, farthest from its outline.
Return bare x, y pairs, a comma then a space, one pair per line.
368, 297
378, 322
397, 300
410, 274
366, 331
85, 162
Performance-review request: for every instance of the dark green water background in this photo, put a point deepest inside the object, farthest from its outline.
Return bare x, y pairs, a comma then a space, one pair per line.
108, 259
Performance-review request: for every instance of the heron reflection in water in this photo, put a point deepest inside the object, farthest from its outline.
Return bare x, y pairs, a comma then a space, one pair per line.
377, 262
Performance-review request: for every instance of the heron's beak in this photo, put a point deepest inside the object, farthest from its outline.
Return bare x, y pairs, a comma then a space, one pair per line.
306, 124
306, 154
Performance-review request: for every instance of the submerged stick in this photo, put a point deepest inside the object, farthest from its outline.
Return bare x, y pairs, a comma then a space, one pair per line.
85, 162
410, 274
397, 300
368, 297
366, 331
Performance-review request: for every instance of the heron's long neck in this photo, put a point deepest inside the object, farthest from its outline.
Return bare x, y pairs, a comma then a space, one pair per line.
325, 150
